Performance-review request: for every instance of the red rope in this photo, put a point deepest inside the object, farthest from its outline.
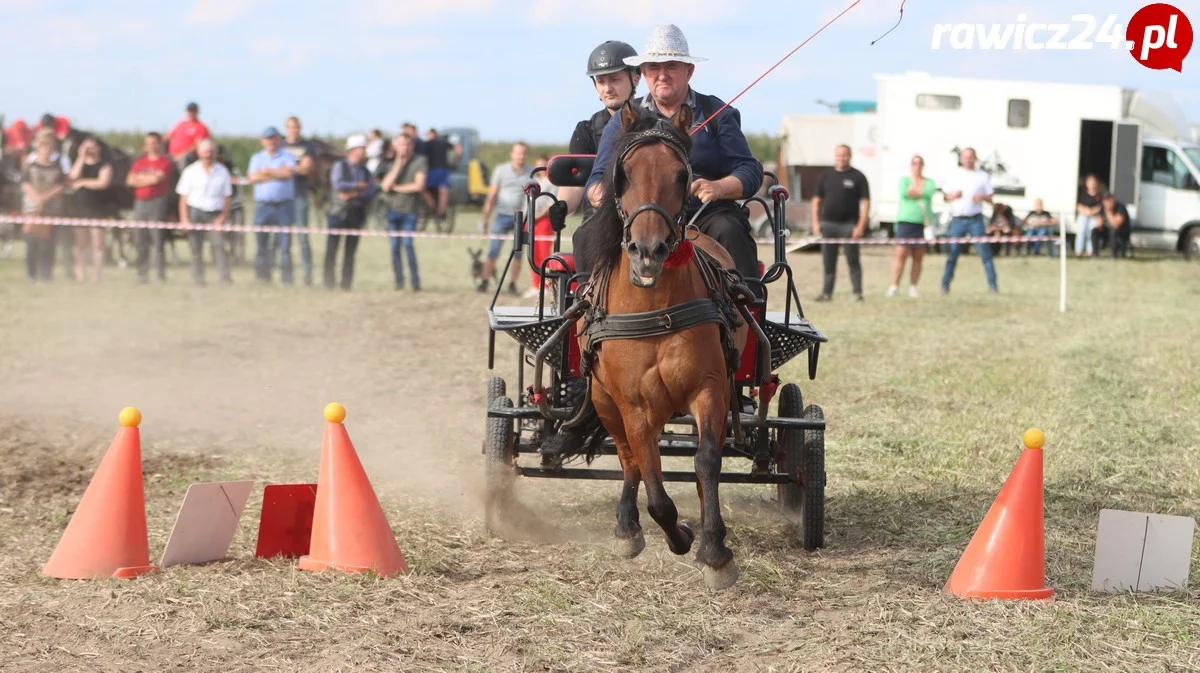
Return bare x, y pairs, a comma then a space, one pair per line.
810, 37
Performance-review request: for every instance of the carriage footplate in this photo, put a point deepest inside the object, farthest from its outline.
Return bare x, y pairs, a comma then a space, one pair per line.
789, 336
582, 435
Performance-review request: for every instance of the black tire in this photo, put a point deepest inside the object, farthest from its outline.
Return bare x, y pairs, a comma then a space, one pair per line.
789, 452
1191, 244
813, 514
498, 464
496, 388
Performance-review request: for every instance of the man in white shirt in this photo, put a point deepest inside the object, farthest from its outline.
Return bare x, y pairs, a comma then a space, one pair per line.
205, 191
965, 191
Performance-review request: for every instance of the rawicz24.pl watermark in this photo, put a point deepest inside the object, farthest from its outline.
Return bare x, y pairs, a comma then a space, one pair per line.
1158, 36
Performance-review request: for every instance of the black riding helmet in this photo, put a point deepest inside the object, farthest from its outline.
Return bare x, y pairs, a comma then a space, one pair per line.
610, 57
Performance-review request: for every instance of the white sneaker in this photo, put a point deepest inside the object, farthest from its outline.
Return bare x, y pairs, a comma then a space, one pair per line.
912, 291
892, 291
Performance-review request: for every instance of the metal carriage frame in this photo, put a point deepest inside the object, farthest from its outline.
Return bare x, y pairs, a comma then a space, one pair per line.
787, 450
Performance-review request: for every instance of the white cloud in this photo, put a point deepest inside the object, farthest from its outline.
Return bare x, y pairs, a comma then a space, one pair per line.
87, 32
19, 5
282, 57
216, 12
386, 46
411, 12
632, 12
267, 46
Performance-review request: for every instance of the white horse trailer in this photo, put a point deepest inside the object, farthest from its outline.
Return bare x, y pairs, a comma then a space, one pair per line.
1038, 140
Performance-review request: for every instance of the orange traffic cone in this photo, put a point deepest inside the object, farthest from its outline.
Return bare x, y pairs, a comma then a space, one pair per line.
106, 536
1007, 556
349, 530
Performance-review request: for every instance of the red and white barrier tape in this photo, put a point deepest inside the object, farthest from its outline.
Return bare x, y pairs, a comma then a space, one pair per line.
178, 226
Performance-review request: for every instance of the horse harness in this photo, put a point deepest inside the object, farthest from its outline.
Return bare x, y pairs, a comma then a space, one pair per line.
717, 307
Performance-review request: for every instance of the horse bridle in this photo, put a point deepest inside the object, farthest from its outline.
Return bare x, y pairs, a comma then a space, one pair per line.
646, 137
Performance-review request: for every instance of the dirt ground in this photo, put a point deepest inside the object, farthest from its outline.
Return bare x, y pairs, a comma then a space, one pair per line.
231, 383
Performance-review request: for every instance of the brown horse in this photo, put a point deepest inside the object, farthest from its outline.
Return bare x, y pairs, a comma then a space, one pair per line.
648, 264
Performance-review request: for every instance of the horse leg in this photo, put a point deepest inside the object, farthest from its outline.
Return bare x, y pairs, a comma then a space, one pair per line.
717, 559
659, 504
630, 540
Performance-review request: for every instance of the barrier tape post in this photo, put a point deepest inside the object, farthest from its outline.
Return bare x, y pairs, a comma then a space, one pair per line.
1062, 283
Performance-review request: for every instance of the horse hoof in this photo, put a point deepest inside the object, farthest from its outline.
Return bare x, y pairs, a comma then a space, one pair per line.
717, 579
628, 548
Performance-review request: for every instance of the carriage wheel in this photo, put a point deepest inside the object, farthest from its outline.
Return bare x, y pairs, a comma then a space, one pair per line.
801, 454
813, 515
498, 457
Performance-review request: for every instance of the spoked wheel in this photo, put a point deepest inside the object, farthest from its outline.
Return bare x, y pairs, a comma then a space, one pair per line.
801, 454
498, 456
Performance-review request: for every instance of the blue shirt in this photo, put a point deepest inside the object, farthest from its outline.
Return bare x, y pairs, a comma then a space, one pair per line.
713, 156
342, 180
273, 190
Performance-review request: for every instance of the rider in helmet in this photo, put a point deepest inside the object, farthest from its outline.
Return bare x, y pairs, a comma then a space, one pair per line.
615, 83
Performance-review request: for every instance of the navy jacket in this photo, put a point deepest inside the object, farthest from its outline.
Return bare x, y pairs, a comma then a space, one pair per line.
714, 155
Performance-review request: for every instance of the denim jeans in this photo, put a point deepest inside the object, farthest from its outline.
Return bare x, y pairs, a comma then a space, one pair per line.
403, 222
1083, 234
1035, 247
274, 214
502, 224
972, 226
300, 211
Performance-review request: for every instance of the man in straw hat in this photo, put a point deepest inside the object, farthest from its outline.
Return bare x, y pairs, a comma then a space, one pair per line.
723, 166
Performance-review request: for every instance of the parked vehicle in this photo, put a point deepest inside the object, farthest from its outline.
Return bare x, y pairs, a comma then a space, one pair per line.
1039, 140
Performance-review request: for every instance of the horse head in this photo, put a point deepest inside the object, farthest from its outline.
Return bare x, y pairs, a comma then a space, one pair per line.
650, 185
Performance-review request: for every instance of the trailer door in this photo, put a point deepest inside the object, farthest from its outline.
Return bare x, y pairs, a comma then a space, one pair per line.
1126, 162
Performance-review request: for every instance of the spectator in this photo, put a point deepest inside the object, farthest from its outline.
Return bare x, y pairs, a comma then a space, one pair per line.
303, 152
840, 207
1087, 211
205, 191
915, 211
410, 130
401, 186
1114, 228
966, 190
149, 176
376, 148
183, 138
1040, 223
541, 228
506, 195
271, 171
437, 151
1002, 224
353, 188
43, 182
90, 178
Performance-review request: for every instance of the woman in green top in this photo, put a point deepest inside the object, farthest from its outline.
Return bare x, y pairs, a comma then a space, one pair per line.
915, 211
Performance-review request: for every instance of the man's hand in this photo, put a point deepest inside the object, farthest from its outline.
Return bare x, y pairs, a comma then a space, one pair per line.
705, 190
859, 231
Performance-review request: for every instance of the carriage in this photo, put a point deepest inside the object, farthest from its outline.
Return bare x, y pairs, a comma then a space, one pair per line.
524, 413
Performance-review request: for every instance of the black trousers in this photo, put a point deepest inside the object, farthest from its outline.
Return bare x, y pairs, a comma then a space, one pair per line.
1102, 236
829, 256
355, 219
728, 225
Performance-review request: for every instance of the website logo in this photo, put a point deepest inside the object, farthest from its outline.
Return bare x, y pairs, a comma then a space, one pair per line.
1158, 36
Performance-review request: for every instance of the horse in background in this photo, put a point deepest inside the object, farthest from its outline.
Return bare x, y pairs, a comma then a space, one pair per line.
682, 282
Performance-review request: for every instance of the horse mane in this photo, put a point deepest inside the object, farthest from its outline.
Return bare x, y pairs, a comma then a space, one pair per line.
607, 221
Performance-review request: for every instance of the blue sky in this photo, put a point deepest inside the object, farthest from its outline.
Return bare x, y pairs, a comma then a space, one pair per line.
512, 69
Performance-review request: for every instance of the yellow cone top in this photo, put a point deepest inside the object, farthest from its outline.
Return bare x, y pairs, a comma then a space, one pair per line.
1034, 439
335, 413
130, 417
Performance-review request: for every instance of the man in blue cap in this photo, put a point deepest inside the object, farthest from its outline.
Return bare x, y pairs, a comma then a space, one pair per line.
271, 172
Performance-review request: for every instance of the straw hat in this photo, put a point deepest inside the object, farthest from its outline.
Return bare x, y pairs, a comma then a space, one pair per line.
666, 43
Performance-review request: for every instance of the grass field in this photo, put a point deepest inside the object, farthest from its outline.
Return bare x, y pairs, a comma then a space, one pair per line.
926, 400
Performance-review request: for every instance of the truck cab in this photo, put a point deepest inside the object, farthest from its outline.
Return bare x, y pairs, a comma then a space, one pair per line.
1168, 208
